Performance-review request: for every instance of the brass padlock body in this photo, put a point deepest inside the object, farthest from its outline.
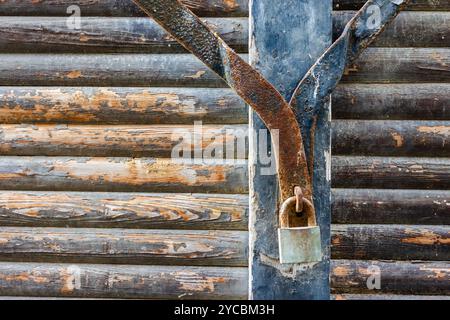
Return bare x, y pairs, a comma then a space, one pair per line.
299, 244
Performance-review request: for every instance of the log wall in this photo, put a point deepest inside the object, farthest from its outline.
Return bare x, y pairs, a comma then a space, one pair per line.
87, 184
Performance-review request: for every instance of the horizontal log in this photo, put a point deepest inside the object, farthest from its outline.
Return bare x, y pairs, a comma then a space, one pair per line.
407, 278
118, 281
376, 138
127, 70
376, 65
390, 242
426, 101
409, 29
123, 210
378, 206
391, 138
413, 5
390, 172
343, 297
170, 247
102, 35
87, 105
163, 175
400, 65
202, 211
143, 35
123, 140
122, 174
116, 7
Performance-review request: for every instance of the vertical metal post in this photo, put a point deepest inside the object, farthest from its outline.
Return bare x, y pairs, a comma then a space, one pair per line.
286, 38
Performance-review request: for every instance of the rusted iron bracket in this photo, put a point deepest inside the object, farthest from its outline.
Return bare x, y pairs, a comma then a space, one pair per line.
254, 89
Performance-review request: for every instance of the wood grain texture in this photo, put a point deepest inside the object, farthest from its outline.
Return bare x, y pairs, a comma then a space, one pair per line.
378, 206
409, 29
123, 210
376, 65
396, 277
102, 35
391, 138
127, 70
118, 105
121, 174
170, 247
143, 35
412, 101
117, 7
400, 65
391, 172
121, 141
390, 242
413, 5
118, 281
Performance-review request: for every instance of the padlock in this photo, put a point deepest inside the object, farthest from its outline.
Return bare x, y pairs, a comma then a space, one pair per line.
299, 244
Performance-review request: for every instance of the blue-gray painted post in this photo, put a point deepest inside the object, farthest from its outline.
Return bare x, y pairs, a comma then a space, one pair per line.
286, 39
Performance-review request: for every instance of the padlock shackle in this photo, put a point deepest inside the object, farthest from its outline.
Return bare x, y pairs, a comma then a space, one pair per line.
288, 207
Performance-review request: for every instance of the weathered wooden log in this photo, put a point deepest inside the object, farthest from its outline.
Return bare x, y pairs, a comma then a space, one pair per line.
97, 34
171, 247
122, 174
123, 210
116, 7
376, 65
86, 105
143, 35
390, 172
122, 141
409, 29
126, 70
401, 65
378, 206
201, 211
342, 297
118, 281
424, 101
390, 242
413, 5
407, 278
391, 138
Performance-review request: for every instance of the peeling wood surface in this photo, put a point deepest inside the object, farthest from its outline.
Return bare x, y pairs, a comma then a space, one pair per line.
117, 141
143, 35
411, 101
409, 29
170, 247
121, 174
123, 210
125, 70
414, 5
406, 278
117, 7
391, 138
376, 65
390, 242
119, 105
118, 281
400, 65
378, 206
391, 172
97, 34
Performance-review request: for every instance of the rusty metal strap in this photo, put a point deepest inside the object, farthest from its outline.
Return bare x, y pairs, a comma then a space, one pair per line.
249, 84
323, 77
